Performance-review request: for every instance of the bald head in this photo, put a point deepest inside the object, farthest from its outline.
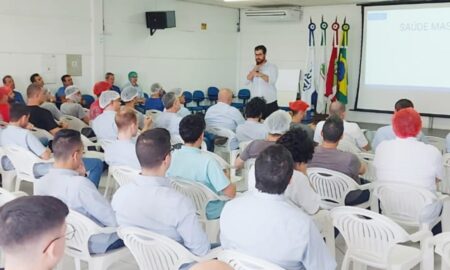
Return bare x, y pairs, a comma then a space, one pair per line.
225, 95
338, 109
210, 265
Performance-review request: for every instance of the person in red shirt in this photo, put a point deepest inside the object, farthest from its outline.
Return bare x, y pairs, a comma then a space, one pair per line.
95, 109
5, 91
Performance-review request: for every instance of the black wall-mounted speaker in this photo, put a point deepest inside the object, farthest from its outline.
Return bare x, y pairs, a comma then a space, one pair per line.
160, 19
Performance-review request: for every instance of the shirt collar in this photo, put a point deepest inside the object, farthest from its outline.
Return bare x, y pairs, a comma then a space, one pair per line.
154, 181
189, 149
267, 196
406, 139
64, 171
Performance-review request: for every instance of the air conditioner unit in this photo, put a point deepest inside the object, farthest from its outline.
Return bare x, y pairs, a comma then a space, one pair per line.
277, 14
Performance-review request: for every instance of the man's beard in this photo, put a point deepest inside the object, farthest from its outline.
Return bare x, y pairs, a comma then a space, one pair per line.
259, 62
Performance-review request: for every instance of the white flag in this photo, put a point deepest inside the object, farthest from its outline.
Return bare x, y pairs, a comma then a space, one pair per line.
321, 79
308, 79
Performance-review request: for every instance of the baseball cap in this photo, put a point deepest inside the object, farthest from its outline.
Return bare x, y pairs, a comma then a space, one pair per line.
132, 74
99, 87
298, 105
128, 93
107, 97
71, 91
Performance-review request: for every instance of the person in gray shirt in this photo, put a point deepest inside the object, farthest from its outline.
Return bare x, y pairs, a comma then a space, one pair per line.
72, 105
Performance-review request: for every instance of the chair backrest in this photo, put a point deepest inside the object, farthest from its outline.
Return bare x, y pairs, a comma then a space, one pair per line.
240, 261
187, 96
346, 144
444, 185
154, 251
442, 247
105, 142
83, 226
88, 100
7, 196
73, 122
244, 94
401, 202
198, 96
222, 162
370, 173
200, 194
332, 186
223, 132
123, 174
213, 93
41, 133
368, 235
23, 161
438, 142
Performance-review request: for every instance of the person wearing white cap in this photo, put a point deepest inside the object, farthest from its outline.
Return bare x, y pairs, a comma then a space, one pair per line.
277, 124
169, 119
130, 97
72, 105
104, 125
179, 94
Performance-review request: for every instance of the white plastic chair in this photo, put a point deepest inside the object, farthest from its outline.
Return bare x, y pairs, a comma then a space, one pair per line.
240, 261
123, 174
74, 122
225, 150
404, 204
444, 185
438, 142
441, 243
176, 139
323, 222
78, 247
333, 187
41, 133
155, 251
8, 177
346, 144
200, 195
370, 174
23, 162
374, 240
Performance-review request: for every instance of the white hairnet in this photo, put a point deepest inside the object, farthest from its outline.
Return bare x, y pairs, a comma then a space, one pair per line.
70, 91
128, 93
107, 97
278, 122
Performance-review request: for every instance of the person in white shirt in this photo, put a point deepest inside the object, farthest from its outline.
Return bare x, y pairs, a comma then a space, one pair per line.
129, 96
253, 129
104, 125
263, 78
222, 114
352, 132
294, 242
169, 119
179, 94
72, 105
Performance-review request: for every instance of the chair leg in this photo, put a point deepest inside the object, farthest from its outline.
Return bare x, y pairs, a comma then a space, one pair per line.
346, 262
18, 181
108, 183
77, 264
8, 178
359, 266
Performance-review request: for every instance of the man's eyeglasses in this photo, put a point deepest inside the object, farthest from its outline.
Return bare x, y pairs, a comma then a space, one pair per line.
70, 233
173, 148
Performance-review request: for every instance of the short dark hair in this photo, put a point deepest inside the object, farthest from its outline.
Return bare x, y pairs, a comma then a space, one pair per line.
273, 169
191, 127
403, 104
108, 74
33, 89
63, 78
152, 147
261, 48
333, 128
26, 219
6, 77
255, 107
65, 142
33, 77
299, 144
16, 111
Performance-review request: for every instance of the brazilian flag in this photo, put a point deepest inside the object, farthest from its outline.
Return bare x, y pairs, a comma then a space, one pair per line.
342, 76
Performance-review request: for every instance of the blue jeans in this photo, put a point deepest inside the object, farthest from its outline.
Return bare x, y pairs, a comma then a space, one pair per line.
94, 169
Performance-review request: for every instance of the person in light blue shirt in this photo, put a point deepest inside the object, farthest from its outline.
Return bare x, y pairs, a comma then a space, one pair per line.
60, 94
132, 81
191, 164
169, 119
149, 202
253, 129
222, 114
122, 152
66, 182
104, 125
386, 133
265, 225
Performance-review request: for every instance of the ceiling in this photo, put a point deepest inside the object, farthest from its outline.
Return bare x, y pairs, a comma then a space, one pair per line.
268, 3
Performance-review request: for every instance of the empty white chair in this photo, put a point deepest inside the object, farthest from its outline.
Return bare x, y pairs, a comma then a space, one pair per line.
333, 187
240, 261
370, 174
23, 162
438, 142
200, 195
78, 247
123, 174
441, 243
155, 251
73, 122
374, 240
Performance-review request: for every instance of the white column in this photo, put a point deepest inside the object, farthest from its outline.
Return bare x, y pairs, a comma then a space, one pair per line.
97, 42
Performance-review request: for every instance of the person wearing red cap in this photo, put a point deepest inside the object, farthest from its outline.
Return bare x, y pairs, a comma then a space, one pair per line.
298, 111
95, 109
5, 91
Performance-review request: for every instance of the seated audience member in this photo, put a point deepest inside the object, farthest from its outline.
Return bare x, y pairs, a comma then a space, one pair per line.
222, 114
190, 163
16, 96
33, 231
253, 129
37, 79
169, 119
294, 242
122, 152
387, 132
104, 125
352, 132
49, 105
179, 94
66, 182
166, 211
132, 81
298, 110
40, 117
72, 105
129, 96
277, 124
95, 109
211, 265
60, 93
110, 78
327, 156
5, 91
154, 102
